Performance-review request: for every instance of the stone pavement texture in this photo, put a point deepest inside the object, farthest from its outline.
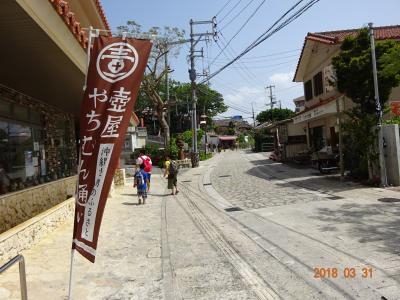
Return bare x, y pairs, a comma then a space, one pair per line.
282, 223
311, 221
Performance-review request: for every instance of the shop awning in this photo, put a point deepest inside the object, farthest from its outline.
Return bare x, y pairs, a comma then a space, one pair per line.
228, 138
322, 109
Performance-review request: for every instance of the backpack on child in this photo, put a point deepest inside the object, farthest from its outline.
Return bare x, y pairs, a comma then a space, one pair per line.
147, 163
173, 168
139, 179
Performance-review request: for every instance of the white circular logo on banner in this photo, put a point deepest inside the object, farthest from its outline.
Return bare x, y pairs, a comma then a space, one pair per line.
117, 61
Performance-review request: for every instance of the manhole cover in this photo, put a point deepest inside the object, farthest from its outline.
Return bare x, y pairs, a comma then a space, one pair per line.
389, 200
206, 183
222, 176
335, 197
233, 209
186, 181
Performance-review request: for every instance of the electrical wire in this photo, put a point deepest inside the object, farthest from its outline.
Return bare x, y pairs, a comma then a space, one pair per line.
242, 73
241, 65
237, 15
223, 7
257, 61
234, 106
223, 18
272, 65
270, 32
240, 29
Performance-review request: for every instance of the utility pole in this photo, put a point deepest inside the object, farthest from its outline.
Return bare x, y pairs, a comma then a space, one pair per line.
167, 89
339, 124
254, 119
378, 109
271, 97
193, 75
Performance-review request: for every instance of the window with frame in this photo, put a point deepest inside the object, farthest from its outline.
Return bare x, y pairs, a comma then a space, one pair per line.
308, 93
318, 85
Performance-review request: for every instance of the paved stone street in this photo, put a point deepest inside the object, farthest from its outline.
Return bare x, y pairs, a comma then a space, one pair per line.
242, 227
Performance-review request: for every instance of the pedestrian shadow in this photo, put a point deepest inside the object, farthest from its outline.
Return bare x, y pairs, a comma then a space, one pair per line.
149, 195
130, 203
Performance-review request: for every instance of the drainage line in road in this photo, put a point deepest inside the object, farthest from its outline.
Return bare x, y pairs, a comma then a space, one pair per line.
330, 283
168, 273
218, 240
326, 245
304, 235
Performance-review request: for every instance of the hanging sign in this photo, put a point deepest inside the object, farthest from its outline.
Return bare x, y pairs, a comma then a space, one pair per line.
115, 71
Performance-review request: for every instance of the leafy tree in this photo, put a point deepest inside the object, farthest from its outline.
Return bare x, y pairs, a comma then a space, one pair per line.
391, 62
354, 70
354, 74
209, 102
156, 71
187, 136
275, 114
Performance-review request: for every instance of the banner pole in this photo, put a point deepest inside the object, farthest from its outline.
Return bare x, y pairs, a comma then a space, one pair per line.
88, 55
71, 274
84, 88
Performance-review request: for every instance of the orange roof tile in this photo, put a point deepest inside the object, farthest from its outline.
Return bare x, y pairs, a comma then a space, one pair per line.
63, 9
102, 14
381, 33
338, 36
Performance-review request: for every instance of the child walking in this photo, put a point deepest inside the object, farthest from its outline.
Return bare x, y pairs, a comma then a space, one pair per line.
141, 182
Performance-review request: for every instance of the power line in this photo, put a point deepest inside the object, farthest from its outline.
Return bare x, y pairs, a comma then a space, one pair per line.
256, 61
230, 11
270, 32
234, 106
272, 65
237, 15
243, 75
241, 28
268, 55
242, 66
223, 7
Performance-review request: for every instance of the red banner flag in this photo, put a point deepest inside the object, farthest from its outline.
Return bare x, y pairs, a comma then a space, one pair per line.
115, 71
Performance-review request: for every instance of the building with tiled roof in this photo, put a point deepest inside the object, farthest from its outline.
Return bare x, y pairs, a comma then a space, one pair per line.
43, 62
322, 100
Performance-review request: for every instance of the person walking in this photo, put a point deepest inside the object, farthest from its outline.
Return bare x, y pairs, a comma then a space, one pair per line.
171, 172
141, 182
146, 161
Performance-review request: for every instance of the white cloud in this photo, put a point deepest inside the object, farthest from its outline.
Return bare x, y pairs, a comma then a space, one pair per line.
242, 98
282, 80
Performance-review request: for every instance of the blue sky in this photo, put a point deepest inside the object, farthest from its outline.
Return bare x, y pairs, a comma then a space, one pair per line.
271, 63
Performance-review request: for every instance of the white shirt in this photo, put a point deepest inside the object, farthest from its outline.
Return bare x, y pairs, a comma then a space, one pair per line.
139, 161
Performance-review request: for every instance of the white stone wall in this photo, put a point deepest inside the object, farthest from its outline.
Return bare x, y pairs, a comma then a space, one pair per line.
392, 153
18, 207
23, 236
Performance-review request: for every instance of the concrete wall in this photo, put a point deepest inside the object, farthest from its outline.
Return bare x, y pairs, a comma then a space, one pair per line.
23, 236
295, 129
392, 153
321, 57
18, 207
